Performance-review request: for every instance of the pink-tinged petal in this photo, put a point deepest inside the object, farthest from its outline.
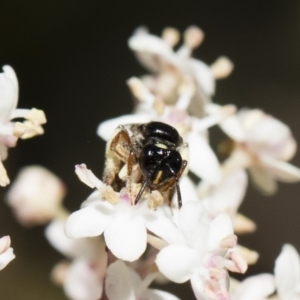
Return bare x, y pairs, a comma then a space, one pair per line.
220, 228
84, 247
126, 236
6, 258
237, 263
8, 93
192, 223
255, 288
281, 170
227, 196
118, 285
203, 161
87, 176
164, 228
268, 135
186, 260
89, 221
107, 128
263, 181
154, 294
203, 75
287, 272
83, 281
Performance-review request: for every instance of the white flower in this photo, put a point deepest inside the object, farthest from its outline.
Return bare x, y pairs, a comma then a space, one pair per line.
171, 68
198, 248
36, 196
124, 225
121, 280
227, 197
6, 252
287, 273
10, 131
257, 287
82, 278
264, 145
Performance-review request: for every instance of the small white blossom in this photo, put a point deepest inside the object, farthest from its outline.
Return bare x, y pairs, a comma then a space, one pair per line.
124, 225
199, 249
10, 131
264, 145
171, 68
81, 278
36, 196
121, 280
227, 197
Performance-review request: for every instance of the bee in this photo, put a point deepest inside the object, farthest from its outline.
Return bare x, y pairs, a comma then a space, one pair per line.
152, 155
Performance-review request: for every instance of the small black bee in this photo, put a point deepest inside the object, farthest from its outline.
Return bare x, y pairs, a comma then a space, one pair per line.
155, 147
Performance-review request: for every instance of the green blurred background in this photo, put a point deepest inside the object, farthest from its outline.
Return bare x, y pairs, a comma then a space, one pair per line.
72, 59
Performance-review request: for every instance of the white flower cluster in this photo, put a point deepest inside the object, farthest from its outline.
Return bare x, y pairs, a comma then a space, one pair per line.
156, 239
10, 132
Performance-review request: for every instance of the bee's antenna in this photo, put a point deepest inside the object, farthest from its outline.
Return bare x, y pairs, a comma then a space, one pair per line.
178, 193
139, 195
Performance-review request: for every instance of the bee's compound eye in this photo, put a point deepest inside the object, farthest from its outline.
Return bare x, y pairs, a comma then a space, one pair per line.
158, 164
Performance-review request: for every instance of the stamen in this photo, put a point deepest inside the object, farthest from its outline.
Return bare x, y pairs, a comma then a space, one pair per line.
222, 67
171, 36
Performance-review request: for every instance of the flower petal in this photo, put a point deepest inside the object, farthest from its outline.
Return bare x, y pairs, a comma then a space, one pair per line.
148, 48
6, 258
233, 128
85, 247
227, 196
203, 75
8, 93
192, 222
126, 236
4, 180
287, 272
220, 228
186, 262
255, 288
89, 221
4, 243
83, 281
164, 228
118, 285
203, 161
281, 170
87, 176
263, 181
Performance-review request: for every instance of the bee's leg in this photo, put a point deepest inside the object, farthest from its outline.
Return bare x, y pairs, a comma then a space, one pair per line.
131, 162
117, 151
